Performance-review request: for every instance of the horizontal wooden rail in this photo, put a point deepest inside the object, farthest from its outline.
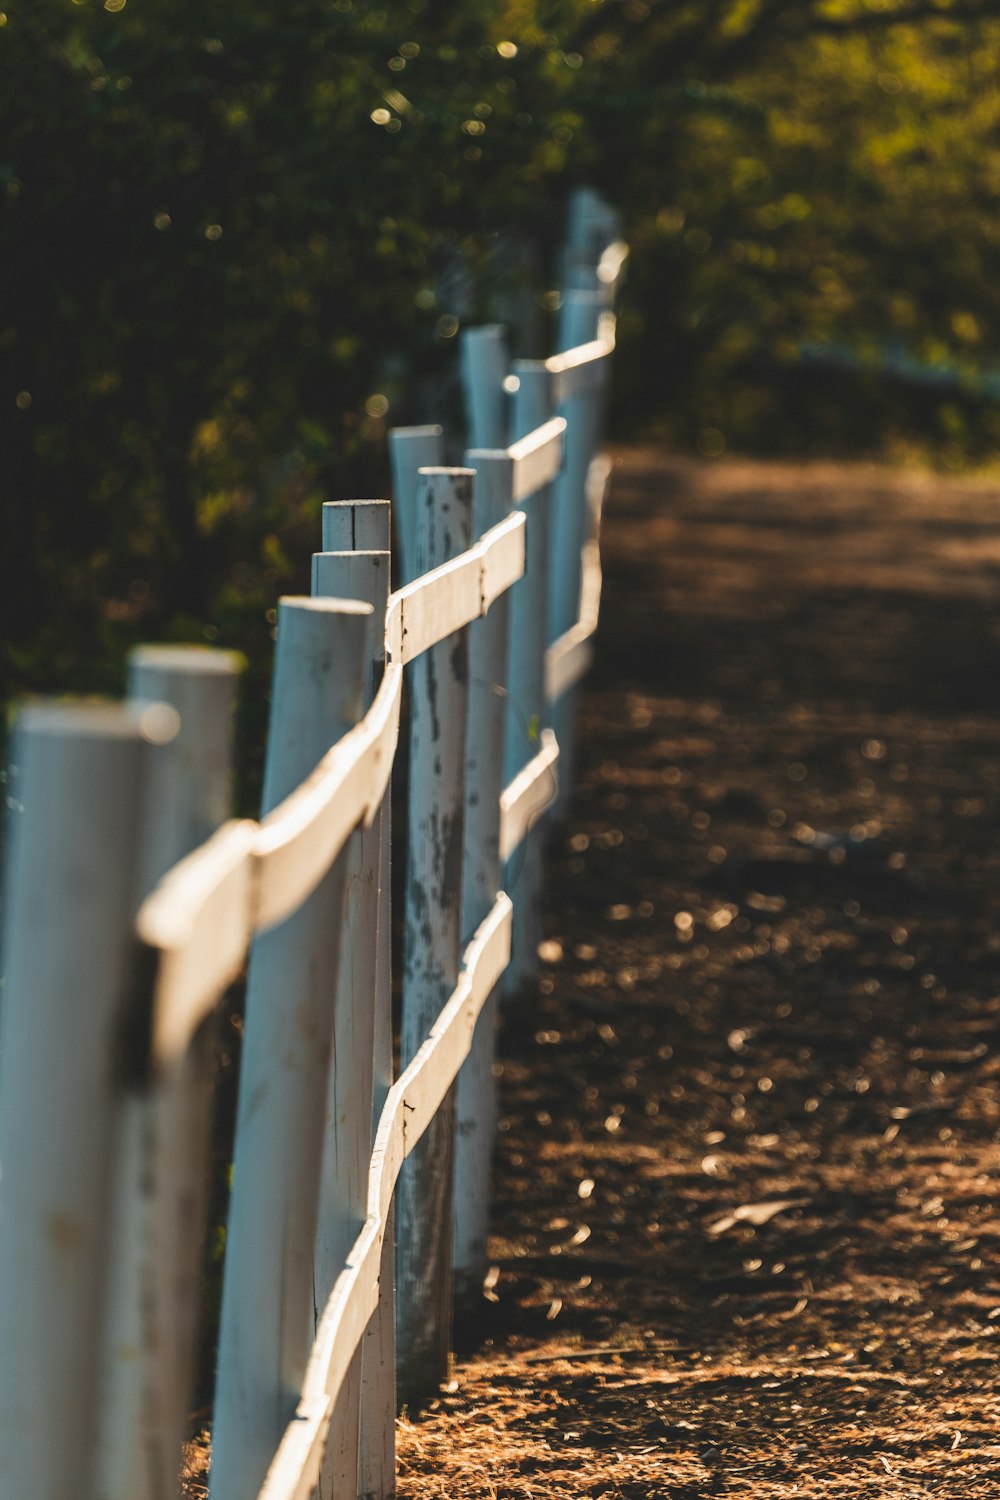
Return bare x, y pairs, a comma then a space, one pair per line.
528, 795
568, 658
537, 458
199, 920
434, 606
410, 1106
301, 838
612, 263
582, 369
248, 875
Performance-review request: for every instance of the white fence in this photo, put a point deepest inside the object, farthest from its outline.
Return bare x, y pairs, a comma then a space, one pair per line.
106, 1050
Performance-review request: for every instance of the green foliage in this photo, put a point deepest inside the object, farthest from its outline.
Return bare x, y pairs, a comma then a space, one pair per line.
229, 236
824, 185
237, 241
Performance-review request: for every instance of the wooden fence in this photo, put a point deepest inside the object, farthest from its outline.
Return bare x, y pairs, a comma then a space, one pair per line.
107, 1057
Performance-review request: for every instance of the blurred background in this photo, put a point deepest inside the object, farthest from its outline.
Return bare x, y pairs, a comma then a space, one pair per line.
238, 242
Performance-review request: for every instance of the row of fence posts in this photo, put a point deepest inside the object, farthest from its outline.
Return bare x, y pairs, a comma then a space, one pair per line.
104, 1156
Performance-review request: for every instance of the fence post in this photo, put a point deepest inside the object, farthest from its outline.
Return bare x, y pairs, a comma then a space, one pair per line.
158, 1218
591, 225
71, 977
528, 710
360, 1451
580, 315
432, 944
268, 1307
578, 325
476, 1097
410, 450
485, 367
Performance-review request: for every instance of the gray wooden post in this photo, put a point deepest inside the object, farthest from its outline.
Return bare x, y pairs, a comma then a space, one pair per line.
363, 1021
476, 1097
432, 943
578, 325
72, 893
162, 1168
485, 367
527, 708
571, 520
410, 450
364, 525
268, 1307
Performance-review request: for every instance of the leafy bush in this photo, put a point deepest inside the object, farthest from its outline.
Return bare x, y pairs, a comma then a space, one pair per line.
237, 241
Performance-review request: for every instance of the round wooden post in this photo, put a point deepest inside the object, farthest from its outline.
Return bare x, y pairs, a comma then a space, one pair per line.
162, 1170
77, 777
432, 944
268, 1306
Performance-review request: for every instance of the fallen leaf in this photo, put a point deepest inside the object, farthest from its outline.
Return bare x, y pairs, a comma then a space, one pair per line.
754, 1213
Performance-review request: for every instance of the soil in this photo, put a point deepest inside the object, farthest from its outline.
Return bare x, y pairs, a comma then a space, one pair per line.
747, 1232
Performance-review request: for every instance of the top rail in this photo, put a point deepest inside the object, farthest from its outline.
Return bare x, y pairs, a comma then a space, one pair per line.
582, 369
200, 918
537, 458
438, 603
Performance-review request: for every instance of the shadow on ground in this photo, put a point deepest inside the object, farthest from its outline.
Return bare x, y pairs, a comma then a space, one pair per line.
747, 1235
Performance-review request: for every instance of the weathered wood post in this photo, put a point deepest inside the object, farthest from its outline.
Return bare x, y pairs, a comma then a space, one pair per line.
485, 367
360, 1450
71, 974
410, 450
527, 707
162, 1169
432, 945
481, 878
579, 320
578, 325
268, 1305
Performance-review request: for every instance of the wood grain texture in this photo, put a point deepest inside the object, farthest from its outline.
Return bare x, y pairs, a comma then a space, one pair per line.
476, 1108
362, 575
432, 941
77, 778
445, 598
412, 1104
267, 1321
158, 1217
527, 706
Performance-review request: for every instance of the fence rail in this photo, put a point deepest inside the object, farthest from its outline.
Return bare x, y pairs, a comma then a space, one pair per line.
120, 861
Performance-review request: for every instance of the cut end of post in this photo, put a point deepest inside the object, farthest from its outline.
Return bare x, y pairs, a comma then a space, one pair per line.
193, 658
156, 723
324, 606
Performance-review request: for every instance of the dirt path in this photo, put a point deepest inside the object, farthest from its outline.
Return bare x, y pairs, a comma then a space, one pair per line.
748, 1224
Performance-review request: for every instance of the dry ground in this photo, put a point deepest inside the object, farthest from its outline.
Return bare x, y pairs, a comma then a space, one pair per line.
747, 1228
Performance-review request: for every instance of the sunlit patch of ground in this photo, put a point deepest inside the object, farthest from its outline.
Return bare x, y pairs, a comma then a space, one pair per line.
747, 1232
